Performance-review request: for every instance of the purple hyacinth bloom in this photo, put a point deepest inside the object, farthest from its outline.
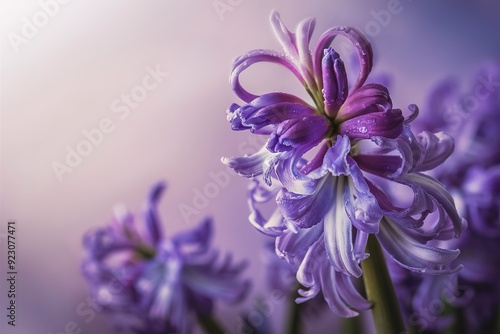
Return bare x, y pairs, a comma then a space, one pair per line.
473, 176
332, 166
150, 283
472, 117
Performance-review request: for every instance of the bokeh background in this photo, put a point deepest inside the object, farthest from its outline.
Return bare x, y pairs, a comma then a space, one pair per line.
67, 75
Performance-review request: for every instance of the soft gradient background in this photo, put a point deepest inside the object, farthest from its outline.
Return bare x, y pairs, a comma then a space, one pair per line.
66, 77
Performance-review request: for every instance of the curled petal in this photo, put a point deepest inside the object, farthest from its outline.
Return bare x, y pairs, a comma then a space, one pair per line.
385, 124
252, 57
290, 245
437, 147
234, 117
413, 255
293, 133
363, 47
440, 195
274, 226
288, 172
296, 46
360, 204
405, 146
268, 109
421, 205
349, 294
340, 294
368, 99
335, 160
307, 274
249, 165
304, 211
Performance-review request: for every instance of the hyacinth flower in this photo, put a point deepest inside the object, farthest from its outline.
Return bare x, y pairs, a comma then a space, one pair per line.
470, 117
467, 301
331, 166
149, 283
473, 176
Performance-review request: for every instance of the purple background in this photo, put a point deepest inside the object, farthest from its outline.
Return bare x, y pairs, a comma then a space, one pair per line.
67, 76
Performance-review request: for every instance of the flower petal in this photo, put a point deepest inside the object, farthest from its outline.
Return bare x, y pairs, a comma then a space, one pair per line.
284, 36
296, 46
363, 47
267, 109
335, 160
385, 124
290, 245
249, 165
151, 215
436, 148
197, 240
382, 165
335, 85
440, 195
298, 132
331, 292
367, 99
304, 211
308, 271
304, 33
257, 193
252, 57
338, 234
361, 205
413, 255
288, 172
349, 294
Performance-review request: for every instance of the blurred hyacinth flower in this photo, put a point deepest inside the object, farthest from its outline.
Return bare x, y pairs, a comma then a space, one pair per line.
473, 176
150, 283
332, 166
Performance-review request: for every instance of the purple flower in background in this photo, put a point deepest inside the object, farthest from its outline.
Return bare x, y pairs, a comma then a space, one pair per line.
473, 176
471, 117
149, 283
337, 162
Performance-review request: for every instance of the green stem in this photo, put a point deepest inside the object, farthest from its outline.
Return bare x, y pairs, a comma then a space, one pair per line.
380, 292
293, 325
210, 325
352, 325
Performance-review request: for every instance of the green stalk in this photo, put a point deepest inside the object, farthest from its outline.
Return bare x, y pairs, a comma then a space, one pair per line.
210, 325
352, 325
294, 325
379, 290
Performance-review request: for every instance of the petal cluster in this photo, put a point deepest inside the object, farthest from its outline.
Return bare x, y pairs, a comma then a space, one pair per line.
473, 176
332, 166
149, 283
